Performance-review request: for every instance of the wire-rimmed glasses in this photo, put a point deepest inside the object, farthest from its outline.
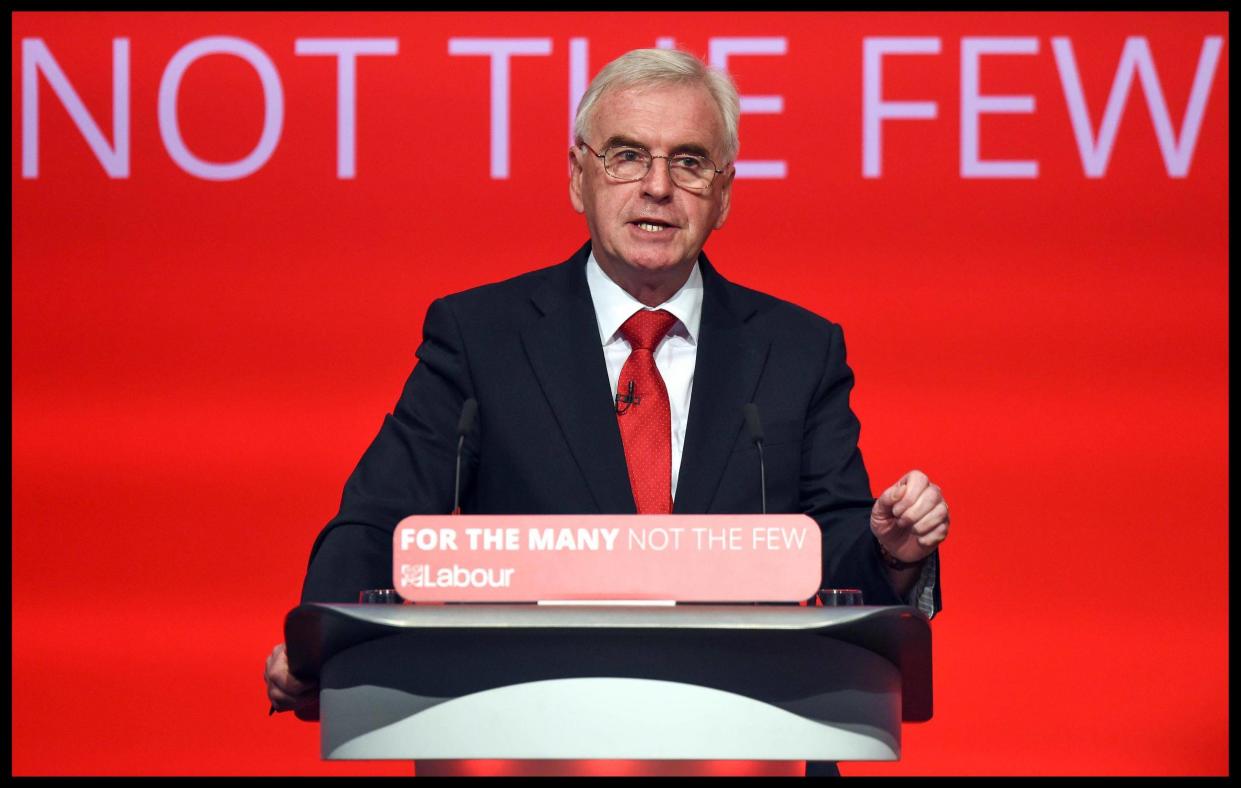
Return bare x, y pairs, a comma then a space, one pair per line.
631, 163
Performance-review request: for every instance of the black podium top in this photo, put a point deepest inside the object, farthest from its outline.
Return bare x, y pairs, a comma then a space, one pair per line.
315, 632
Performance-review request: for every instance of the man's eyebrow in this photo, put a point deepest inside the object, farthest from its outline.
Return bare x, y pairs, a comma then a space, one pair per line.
629, 142
691, 147
622, 140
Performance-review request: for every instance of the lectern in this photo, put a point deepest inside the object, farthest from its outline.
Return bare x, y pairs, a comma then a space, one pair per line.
691, 681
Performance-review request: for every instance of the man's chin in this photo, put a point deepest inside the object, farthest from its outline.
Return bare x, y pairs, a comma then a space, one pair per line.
631, 267
661, 264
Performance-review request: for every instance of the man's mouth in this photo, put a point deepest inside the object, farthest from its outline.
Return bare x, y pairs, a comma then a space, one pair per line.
652, 226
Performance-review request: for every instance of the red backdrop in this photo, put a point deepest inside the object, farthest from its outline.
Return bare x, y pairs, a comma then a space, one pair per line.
198, 363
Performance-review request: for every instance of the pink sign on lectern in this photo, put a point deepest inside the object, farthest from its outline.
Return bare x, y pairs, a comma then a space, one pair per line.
682, 557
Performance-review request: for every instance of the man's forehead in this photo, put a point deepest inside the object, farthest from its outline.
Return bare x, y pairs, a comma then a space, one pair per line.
683, 116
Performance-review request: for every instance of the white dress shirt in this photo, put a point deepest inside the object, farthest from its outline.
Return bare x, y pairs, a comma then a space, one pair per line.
675, 355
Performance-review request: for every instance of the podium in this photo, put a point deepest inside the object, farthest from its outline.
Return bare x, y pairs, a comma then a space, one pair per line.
691, 681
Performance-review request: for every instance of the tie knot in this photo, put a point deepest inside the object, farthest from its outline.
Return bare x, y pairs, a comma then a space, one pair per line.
645, 328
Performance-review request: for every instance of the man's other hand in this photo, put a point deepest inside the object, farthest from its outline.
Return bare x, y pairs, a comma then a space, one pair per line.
288, 692
910, 518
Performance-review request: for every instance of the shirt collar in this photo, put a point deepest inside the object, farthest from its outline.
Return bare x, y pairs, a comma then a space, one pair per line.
613, 306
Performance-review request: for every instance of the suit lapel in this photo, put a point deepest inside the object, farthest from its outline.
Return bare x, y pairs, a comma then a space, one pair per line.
565, 353
730, 359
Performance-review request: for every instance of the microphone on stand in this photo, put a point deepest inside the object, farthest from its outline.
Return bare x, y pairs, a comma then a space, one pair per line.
755, 427
469, 413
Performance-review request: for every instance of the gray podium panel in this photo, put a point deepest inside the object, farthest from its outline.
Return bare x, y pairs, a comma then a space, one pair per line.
685, 682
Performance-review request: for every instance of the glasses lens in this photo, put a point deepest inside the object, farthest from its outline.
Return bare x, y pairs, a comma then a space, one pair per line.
628, 164
691, 172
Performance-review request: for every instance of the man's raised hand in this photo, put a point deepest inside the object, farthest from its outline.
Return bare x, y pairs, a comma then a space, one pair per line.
910, 518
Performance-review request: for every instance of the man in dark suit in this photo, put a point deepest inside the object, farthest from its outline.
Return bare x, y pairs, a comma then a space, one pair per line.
616, 381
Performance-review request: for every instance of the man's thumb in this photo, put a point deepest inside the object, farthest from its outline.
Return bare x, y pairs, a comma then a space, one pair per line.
885, 502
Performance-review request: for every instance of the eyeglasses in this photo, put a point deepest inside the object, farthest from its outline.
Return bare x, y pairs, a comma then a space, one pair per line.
629, 163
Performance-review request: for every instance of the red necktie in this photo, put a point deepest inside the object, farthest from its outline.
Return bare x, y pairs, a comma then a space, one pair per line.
643, 414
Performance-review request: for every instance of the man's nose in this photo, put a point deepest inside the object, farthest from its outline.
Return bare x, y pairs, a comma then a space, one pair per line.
658, 179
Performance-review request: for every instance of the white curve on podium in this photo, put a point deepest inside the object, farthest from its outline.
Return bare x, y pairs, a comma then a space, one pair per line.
658, 719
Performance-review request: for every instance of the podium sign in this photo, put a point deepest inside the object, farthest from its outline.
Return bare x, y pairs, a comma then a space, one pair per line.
683, 558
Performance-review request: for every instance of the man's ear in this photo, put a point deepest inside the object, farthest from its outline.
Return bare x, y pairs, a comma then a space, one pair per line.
726, 195
575, 179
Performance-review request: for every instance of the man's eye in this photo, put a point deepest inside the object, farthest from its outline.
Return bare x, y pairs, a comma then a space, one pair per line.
628, 154
689, 162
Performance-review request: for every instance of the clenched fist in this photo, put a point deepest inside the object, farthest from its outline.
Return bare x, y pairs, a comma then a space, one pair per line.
910, 518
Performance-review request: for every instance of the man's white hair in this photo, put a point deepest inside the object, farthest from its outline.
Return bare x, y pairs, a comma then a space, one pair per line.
643, 68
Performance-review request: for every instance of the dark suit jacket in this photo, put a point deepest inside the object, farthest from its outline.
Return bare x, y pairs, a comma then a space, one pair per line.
547, 440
